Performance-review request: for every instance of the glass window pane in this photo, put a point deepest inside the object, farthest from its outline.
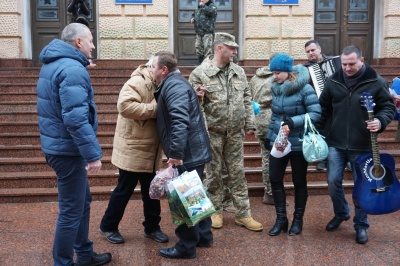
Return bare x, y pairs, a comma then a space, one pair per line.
47, 14
188, 4
90, 17
326, 17
223, 4
224, 16
326, 5
358, 5
47, 3
358, 16
185, 16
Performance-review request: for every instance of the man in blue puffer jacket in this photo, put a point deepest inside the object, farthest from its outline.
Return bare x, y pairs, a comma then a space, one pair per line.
68, 125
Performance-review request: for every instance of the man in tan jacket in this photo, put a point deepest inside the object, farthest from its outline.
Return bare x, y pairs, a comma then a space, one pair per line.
137, 154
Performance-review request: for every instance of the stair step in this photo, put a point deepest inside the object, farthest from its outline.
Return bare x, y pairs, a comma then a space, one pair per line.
33, 138
17, 146
32, 126
45, 177
24, 195
21, 151
24, 106
105, 115
109, 94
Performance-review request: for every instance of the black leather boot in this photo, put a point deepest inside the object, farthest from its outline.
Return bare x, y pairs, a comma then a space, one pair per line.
281, 223
300, 199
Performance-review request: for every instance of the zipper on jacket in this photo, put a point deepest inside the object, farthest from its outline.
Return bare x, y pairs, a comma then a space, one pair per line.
228, 87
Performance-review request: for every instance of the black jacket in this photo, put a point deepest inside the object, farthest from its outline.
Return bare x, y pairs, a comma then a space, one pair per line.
180, 124
347, 129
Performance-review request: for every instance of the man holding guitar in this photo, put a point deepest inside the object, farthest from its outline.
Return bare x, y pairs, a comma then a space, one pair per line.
349, 129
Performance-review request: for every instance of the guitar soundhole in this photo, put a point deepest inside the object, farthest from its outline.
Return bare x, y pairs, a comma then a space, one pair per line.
382, 173
378, 172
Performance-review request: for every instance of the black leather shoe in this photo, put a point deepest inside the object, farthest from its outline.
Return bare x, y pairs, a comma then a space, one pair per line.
205, 244
335, 223
172, 253
113, 237
96, 259
158, 236
361, 236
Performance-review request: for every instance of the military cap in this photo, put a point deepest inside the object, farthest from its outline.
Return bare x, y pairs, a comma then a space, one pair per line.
226, 39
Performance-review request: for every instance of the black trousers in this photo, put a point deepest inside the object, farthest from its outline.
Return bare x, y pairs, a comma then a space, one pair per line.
277, 167
201, 232
120, 197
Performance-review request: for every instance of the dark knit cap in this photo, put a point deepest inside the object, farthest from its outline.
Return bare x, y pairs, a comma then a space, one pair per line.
282, 63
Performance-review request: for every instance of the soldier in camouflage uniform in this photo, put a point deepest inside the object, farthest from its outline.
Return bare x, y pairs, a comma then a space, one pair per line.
261, 93
228, 112
203, 19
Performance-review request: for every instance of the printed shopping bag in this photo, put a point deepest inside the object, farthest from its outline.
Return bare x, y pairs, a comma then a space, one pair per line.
191, 198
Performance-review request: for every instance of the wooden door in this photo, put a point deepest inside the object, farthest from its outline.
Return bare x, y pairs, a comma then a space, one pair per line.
184, 37
49, 17
339, 23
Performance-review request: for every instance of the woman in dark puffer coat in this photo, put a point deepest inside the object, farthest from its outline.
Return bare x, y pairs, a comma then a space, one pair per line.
292, 98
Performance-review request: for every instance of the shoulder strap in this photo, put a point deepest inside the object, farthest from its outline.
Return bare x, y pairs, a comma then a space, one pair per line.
308, 123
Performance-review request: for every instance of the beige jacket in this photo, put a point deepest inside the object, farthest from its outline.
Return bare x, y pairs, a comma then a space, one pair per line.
136, 144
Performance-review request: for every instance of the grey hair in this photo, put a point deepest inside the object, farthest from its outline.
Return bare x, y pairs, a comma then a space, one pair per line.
72, 31
150, 62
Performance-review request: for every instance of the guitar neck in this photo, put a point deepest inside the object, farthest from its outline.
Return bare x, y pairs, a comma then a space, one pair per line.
374, 142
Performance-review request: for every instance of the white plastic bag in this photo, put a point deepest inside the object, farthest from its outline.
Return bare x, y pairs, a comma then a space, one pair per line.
282, 145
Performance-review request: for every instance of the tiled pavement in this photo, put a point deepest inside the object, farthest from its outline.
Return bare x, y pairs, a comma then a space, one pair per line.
26, 235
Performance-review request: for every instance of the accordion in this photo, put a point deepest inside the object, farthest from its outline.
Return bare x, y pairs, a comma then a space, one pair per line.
320, 72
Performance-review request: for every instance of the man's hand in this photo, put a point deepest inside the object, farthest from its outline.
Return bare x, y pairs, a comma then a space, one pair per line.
396, 98
92, 64
94, 167
200, 90
175, 161
373, 126
249, 131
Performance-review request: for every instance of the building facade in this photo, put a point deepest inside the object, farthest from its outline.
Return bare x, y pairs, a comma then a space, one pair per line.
133, 31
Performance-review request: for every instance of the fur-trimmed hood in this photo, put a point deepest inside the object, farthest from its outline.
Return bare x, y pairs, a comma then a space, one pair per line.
289, 88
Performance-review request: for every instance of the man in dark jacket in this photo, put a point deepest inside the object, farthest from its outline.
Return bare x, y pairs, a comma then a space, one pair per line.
68, 125
349, 130
185, 142
204, 18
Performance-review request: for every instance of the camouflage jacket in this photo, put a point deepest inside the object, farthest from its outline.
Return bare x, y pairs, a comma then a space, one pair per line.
226, 108
204, 18
261, 93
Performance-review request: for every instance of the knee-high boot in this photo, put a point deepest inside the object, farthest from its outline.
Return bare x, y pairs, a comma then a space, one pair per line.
300, 199
280, 207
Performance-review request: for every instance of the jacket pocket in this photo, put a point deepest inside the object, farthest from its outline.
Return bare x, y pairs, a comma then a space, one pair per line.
213, 87
239, 85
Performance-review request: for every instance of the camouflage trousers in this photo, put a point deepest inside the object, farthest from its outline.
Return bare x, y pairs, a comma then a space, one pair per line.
227, 150
203, 45
265, 165
227, 197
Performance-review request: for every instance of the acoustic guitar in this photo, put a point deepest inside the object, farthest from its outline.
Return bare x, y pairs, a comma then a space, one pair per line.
377, 189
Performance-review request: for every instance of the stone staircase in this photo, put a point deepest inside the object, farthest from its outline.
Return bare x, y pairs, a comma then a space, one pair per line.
25, 176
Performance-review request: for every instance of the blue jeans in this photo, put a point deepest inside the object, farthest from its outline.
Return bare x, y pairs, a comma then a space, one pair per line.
337, 160
72, 229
